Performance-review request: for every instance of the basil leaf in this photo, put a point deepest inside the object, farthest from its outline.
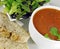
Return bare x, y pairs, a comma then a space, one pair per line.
54, 31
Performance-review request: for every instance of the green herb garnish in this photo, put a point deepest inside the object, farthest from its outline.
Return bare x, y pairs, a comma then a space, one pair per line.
46, 35
58, 37
54, 31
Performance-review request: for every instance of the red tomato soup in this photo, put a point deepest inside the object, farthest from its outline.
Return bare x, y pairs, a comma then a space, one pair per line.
47, 22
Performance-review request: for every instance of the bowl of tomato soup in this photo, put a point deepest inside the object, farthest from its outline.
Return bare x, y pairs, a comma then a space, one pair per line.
44, 27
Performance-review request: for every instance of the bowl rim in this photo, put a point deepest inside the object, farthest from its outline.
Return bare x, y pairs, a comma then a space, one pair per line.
35, 11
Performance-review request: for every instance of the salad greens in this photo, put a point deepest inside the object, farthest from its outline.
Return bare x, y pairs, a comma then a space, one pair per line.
21, 7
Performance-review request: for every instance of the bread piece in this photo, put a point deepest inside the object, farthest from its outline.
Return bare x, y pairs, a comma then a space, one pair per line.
8, 44
12, 30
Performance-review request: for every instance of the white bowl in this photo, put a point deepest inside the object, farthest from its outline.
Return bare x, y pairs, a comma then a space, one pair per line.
40, 40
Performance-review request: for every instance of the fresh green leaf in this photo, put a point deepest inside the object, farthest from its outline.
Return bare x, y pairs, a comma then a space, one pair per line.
8, 5
18, 16
36, 5
25, 7
10, 2
39, 0
54, 31
29, 2
47, 0
19, 1
33, 2
6, 9
13, 7
2, 3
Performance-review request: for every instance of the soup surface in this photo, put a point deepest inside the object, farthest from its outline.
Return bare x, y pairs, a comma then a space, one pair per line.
47, 22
